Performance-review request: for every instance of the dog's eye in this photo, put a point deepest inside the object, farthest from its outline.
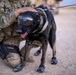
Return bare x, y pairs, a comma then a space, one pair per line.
28, 22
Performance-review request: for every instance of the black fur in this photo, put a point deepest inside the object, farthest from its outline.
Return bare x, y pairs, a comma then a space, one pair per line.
48, 35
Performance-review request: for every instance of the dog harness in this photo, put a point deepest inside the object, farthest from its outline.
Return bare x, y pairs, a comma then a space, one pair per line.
41, 20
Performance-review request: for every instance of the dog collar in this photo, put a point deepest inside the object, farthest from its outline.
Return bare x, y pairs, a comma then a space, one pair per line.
46, 23
40, 25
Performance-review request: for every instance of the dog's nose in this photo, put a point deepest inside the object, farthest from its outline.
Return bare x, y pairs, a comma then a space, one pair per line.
19, 31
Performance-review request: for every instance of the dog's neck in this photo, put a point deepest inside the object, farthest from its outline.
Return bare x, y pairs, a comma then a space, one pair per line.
42, 25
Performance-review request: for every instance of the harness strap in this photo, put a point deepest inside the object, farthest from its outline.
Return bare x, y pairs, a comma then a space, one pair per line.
46, 23
40, 25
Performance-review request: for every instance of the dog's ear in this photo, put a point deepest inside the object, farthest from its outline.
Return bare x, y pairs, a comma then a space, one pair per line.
39, 13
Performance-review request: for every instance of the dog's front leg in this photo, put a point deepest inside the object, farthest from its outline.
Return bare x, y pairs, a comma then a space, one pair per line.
27, 52
44, 49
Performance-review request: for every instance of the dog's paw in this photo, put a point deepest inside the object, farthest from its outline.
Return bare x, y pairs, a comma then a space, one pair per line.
54, 60
37, 53
41, 69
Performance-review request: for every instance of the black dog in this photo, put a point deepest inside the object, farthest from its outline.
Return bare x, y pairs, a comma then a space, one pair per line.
38, 28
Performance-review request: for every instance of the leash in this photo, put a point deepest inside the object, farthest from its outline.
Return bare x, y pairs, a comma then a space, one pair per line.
64, 6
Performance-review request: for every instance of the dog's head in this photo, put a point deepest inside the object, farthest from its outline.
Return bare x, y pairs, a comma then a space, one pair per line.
27, 22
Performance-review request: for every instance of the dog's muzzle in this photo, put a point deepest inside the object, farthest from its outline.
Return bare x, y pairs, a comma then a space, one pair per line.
19, 31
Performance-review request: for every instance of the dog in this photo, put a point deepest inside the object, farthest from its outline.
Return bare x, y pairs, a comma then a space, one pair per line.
38, 29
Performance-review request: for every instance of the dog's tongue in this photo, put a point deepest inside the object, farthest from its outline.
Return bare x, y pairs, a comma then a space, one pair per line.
24, 35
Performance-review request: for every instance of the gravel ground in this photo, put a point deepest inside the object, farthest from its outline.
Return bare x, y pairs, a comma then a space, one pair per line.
66, 50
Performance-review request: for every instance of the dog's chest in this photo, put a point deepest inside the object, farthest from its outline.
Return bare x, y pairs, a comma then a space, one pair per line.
35, 36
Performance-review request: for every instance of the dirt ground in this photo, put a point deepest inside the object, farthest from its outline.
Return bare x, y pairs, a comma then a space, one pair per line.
66, 49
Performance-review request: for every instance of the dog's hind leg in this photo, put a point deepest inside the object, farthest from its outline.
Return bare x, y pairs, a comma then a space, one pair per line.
42, 64
52, 42
37, 52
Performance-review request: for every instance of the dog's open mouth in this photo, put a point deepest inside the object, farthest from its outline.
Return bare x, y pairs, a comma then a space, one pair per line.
23, 35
